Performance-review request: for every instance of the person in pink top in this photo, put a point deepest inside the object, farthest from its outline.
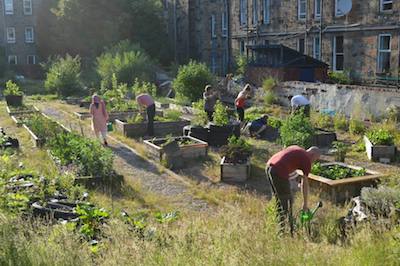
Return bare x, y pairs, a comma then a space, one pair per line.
99, 117
280, 168
146, 101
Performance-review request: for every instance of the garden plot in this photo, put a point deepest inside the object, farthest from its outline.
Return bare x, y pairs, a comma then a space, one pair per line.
21, 110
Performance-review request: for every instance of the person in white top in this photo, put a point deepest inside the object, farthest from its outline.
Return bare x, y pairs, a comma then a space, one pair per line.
299, 102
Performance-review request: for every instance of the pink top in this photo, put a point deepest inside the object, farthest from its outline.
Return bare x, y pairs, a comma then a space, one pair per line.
145, 100
99, 117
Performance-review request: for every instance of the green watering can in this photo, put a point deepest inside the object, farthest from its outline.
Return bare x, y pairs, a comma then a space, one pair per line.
110, 127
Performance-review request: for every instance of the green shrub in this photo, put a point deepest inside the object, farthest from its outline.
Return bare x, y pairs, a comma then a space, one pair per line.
340, 122
380, 136
12, 89
341, 150
191, 80
269, 83
200, 118
144, 87
356, 127
116, 97
274, 122
322, 121
339, 77
241, 64
127, 61
221, 116
380, 200
297, 130
238, 150
270, 98
63, 77
42, 127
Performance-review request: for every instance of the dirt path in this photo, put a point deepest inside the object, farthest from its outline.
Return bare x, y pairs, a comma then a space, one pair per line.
133, 167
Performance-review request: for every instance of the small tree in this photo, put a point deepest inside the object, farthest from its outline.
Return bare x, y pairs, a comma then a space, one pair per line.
221, 116
191, 80
241, 64
63, 76
297, 130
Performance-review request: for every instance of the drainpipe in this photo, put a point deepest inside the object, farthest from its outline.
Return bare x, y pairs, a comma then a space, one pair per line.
175, 33
320, 28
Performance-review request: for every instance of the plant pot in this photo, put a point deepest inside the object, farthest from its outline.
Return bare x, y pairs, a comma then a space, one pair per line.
37, 142
197, 132
14, 100
234, 172
54, 210
379, 153
323, 138
271, 133
219, 135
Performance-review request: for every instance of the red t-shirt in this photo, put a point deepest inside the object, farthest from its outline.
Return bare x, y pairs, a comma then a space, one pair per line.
240, 100
289, 160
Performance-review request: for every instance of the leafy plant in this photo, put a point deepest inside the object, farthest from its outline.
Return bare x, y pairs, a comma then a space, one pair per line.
270, 98
41, 126
200, 118
269, 83
274, 122
339, 77
341, 150
238, 150
340, 122
336, 172
135, 119
241, 64
166, 217
380, 200
12, 89
63, 77
356, 127
90, 220
297, 130
221, 116
144, 87
191, 80
322, 120
269, 95
380, 136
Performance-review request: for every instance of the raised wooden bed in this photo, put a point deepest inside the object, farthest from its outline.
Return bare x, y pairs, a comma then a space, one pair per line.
196, 149
37, 142
22, 111
219, 135
234, 172
17, 120
73, 101
112, 115
323, 138
340, 191
379, 152
136, 130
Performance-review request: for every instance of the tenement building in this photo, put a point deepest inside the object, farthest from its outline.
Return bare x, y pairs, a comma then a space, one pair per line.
360, 37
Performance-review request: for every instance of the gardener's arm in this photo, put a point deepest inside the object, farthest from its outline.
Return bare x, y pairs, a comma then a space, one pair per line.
304, 189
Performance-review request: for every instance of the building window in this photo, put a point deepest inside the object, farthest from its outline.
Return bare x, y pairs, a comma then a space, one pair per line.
213, 63
302, 8
213, 32
243, 12
242, 47
384, 52
300, 45
31, 59
338, 53
266, 11
255, 12
29, 38
12, 59
317, 48
317, 9
266, 42
28, 7
9, 7
11, 35
224, 24
386, 5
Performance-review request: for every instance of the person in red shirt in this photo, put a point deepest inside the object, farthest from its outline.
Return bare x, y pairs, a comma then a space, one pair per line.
240, 101
280, 168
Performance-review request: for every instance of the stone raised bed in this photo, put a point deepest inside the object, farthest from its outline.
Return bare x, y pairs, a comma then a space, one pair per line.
193, 150
342, 190
27, 110
135, 130
379, 152
323, 138
234, 172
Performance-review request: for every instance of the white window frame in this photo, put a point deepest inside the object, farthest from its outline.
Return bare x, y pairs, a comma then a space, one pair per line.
25, 6
9, 31
304, 45
266, 11
317, 15
255, 12
243, 12
302, 15
389, 51
26, 35
224, 24
34, 59
335, 54
9, 7
383, 3
213, 28
317, 54
13, 57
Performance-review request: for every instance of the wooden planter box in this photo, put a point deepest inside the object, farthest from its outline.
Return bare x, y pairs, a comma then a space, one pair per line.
161, 105
37, 142
17, 120
85, 104
323, 138
140, 129
73, 101
379, 152
14, 100
189, 151
28, 110
112, 115
219, 135
340, 191
234, 172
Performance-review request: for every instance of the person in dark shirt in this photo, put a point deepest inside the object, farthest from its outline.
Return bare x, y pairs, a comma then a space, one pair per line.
258, 126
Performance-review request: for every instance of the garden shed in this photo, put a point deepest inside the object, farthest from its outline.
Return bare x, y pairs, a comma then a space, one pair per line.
283, 63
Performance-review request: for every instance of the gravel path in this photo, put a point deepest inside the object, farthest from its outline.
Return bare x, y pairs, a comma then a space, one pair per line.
132, 166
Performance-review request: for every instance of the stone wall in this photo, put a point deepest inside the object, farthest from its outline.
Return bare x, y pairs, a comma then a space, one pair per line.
361, 101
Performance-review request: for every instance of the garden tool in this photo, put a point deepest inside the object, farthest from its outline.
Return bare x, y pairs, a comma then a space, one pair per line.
307, 216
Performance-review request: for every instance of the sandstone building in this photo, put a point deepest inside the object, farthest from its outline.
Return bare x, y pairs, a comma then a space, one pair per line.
365, 42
